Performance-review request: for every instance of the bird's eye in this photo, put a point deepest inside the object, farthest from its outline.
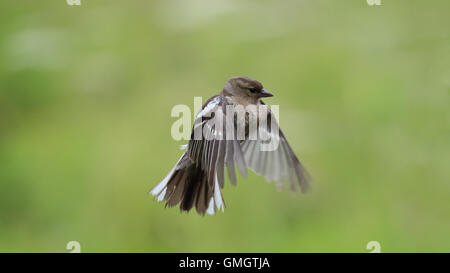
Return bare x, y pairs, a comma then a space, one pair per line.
253, 90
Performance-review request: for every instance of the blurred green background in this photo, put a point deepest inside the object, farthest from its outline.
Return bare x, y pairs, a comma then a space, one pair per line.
85, 99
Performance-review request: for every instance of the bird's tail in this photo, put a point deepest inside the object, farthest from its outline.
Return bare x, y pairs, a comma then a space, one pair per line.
188, 185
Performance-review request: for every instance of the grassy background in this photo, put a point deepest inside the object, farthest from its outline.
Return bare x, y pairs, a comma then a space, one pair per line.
85, 100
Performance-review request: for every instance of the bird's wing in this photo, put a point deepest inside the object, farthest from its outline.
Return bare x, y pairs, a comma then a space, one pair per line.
210, 148
280, 164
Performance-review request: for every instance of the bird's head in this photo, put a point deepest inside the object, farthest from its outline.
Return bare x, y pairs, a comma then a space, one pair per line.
245, 88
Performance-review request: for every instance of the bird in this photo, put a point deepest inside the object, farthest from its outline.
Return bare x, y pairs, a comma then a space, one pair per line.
198, 177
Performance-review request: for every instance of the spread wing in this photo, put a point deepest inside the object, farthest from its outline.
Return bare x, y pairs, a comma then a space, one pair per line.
198, 177
276, 163
211, 150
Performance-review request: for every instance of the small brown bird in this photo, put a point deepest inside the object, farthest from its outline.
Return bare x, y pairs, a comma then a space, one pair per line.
198, 177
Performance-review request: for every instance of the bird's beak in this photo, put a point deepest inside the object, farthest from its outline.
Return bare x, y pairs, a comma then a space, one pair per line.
264, 93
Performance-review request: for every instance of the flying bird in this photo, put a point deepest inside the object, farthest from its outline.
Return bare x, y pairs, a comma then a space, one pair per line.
197, 178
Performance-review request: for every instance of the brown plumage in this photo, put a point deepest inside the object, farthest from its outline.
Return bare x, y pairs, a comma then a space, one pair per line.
199, 175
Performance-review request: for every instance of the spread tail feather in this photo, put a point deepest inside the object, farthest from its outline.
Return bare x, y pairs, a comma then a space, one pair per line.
188, 185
